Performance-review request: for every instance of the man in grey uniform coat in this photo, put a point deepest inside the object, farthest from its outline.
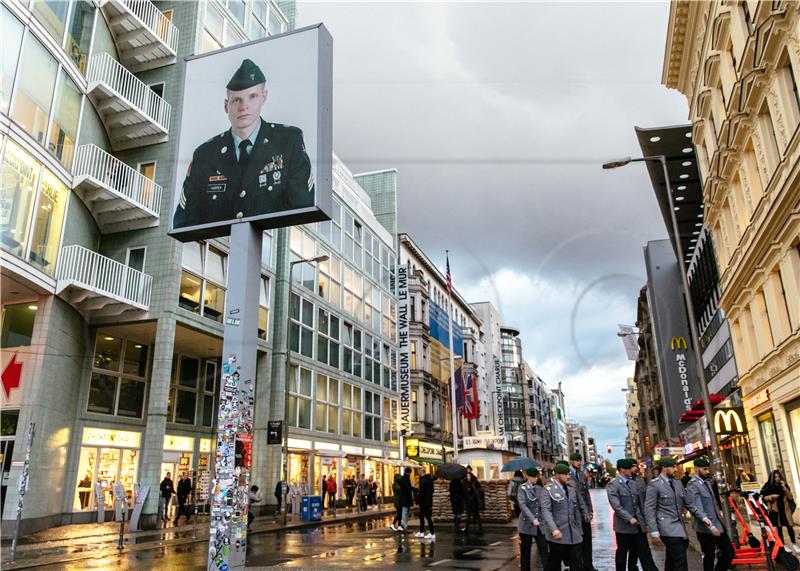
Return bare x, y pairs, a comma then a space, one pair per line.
664, 502
530, 521
563, 512
702, 504
628, 505
578, 478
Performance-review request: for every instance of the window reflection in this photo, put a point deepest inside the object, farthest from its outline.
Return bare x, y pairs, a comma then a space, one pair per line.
18, 181
64, 129
11, 32
80, 33
49, 216
34, 95
53, 16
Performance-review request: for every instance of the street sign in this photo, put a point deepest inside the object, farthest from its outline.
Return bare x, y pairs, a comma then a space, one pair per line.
274, 432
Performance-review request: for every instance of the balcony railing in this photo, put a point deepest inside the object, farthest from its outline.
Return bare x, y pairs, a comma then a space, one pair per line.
98, 285
145, 37
119, 197
133, 114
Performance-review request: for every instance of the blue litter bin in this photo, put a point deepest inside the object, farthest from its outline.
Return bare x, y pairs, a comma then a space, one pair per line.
311, 508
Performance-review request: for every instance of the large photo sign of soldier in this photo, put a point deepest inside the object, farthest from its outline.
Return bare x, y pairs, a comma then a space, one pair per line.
255, 136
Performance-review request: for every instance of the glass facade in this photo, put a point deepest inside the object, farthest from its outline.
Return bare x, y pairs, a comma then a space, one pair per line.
119, 377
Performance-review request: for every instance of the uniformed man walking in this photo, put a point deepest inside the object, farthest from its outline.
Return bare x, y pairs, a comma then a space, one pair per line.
530, 524
579, 481
624, 499
702, 504
642, 551
563, 512
664, 501
253, 168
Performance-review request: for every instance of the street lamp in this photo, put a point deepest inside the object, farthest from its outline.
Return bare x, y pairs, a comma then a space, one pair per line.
285, 446
709, 412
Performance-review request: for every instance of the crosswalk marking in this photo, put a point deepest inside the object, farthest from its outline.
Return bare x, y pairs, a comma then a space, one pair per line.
440, 562
495, 543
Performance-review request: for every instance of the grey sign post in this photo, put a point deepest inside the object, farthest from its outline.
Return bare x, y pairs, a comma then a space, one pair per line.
228, 539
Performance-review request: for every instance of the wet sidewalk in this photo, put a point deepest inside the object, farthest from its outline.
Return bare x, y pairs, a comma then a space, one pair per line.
70, 543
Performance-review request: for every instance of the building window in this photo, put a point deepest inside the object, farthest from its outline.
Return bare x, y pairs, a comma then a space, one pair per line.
47, 221
301, 332
372, 416
299, 397
351, 410
183, 393
52, 14
135, 258
64, 126
413, 355
277, 24
237, 8
788, 90
353, 293
302, 246
769, 441
203, 280
17, 326
352, 350
79, 36
33, 96
258, 20
263, 308
12, 30
389, 416
329, 285
266, 249
119, 376
769, 140
209, 392
326, 406
372, 307
327, 338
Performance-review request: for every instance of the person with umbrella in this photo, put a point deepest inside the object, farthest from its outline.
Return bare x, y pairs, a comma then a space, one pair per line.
530, 523
563, 512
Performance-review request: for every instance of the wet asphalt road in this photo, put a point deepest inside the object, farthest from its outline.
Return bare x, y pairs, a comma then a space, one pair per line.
371, 544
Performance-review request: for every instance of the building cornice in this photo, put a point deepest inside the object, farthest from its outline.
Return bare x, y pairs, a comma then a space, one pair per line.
675, 48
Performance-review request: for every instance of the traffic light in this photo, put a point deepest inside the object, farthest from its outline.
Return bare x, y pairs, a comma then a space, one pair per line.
608, 448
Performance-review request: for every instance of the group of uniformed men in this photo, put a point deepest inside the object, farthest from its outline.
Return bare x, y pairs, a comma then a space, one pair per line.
558, 515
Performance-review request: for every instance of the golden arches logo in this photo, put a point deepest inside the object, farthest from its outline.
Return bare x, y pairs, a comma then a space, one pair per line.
728, 421
678, 343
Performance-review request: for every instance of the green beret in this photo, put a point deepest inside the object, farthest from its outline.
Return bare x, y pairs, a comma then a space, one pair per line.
248, 75
562, 469
564, 462
666, 462
575, 456
532, 472
701, 463
626, 463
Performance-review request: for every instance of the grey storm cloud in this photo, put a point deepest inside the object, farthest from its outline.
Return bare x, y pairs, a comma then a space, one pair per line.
498, 117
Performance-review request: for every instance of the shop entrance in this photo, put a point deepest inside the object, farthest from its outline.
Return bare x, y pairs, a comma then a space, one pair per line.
7, 436
106, 466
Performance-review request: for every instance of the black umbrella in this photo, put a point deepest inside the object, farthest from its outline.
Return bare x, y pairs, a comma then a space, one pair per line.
451, 471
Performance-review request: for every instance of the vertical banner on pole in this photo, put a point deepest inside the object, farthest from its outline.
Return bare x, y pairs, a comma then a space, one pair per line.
403, 350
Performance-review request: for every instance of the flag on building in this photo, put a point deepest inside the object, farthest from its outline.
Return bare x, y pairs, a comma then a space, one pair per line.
448, 276
459, 389
469, 398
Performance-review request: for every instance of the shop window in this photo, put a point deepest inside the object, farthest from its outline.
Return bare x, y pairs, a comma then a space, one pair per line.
301, 331
769, 442
11, 31
48, 219
52, 14
119, 377
20, 179
17, 327
300, 397
79, 36
793, 419
263, 308
35, 87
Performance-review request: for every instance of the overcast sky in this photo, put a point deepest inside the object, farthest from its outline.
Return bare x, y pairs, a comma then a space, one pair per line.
498, 117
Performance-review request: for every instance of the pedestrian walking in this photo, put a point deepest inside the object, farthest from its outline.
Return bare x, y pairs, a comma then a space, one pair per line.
642, 551
350, 490
373, 491
513, 486
624, 499
253, 497
425, 501
780, 505
323, 490
184, 491
363, 493
456, 491
530, 523
472, 500
166, 489
332, 489
563, 513
703, 504
278, 493
580, 482
398, 507
664, 501
406, 497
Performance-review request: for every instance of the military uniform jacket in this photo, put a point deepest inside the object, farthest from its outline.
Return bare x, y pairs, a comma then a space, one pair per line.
579, 482
530, 508
277, 177
563, 512
663, 505
702, 504
626, 503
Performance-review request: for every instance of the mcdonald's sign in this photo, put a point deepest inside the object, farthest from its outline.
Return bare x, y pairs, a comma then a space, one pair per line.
678, 343
729, 421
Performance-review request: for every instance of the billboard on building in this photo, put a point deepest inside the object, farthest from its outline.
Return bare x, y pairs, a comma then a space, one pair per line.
255, 136
675, 356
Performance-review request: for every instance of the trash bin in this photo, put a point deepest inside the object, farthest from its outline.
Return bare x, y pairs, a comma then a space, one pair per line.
311, 508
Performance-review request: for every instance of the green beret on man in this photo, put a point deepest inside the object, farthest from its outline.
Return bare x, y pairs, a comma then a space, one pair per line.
626, 463
576, 456
562, 469
667, 462
533, 472
701, 463
564, 462
247, 76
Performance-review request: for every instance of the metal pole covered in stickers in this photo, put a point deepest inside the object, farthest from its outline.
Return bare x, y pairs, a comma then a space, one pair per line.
228, 537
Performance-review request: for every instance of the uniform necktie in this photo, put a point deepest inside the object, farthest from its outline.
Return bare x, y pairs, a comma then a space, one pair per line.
566, 491
244, 158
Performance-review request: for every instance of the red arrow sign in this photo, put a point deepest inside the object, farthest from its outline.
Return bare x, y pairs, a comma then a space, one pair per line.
11, 375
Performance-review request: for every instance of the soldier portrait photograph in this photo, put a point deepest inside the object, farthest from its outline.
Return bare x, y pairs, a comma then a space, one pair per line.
253, 168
